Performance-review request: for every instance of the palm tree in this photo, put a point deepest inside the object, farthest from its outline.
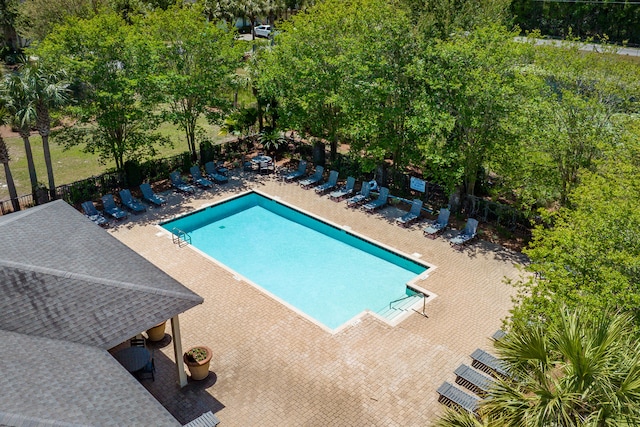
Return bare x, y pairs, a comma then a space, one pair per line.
48, 90
4, 159
582, 371
19, 102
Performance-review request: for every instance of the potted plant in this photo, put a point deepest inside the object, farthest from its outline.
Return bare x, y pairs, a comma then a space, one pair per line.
157, 332
198, 359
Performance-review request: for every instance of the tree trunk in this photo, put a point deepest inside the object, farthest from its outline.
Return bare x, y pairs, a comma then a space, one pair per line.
32, 168
44, 130
13, 194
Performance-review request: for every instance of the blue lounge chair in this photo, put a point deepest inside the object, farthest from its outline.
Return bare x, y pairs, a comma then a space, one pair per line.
438, 225
489, 364
361, 197
467, 234
199, 179
452, 396
299, 173
130, 202
93, 214
344, 191
379, 202
150, 196
179, 184
212, 172
221, 169
412, 215
110, 207
329, 185
314, 179
473, 380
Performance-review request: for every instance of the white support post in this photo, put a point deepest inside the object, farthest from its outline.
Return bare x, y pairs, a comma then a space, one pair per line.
177, 350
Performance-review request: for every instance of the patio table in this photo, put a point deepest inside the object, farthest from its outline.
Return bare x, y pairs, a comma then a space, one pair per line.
133, 358
261, 159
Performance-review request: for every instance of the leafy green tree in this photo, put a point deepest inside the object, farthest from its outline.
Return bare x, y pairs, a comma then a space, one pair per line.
196, 62
441, 18
588, 254
338, 70
37, 18
470, 91
571, 115
113, 66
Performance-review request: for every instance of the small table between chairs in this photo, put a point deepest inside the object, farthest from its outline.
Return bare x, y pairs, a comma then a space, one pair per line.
261, 159
133, 358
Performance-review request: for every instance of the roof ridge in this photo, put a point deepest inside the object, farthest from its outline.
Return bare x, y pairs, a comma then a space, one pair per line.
14, 216
115, 283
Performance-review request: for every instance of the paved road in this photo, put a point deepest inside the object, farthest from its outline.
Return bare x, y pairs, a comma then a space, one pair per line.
588, 47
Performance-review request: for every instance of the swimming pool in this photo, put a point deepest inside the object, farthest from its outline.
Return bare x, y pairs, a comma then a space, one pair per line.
326, 272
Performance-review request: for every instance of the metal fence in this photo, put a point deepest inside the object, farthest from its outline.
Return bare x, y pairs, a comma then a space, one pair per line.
96, 186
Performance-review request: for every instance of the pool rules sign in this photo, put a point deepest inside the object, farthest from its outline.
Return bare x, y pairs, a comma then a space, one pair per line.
418, 184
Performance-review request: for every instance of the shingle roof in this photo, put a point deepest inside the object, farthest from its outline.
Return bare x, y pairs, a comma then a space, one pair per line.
68, 291
47, 382
63, 277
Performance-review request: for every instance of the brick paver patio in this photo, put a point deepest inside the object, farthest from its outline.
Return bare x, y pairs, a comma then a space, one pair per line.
272, 367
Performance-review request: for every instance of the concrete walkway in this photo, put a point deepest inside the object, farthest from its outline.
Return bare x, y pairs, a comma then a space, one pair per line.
272, 367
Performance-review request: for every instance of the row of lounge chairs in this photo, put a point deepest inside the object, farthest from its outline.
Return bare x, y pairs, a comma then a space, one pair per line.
363, 197
473, 379
113, 210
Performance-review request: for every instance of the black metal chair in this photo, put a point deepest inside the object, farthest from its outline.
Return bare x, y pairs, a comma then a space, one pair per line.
149, 370
137, 342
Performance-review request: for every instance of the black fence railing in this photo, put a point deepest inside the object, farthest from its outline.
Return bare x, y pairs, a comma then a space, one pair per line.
94, 187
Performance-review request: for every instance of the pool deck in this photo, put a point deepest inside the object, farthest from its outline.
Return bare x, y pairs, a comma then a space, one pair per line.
273, 367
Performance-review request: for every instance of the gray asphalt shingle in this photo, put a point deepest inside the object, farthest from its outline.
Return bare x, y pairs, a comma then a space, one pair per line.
69, 291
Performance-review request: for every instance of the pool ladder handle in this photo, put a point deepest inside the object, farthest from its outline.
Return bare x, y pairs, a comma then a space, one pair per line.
180, 237
424, 302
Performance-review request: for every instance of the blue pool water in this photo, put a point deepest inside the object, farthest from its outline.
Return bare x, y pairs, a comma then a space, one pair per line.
324, 271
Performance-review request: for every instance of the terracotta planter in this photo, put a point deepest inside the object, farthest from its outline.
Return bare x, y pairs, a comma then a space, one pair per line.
199, 369
157, 332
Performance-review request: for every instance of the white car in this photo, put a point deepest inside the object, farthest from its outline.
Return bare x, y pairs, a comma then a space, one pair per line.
262, 31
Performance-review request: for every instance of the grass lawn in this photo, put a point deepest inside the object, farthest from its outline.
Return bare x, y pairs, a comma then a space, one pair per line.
73, 165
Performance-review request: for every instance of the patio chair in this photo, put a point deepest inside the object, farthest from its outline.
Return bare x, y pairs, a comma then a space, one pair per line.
130, 202
137, 342
329, 185
267, 167
467, 234
214, 174
197, 177
93, 214
179, 184
412, 215
489, 364
148, 371
344, 191
361, 197
110, 207
452, 396
150, 196
439, 225
473, 380
298, 173
314, 179
379, 202
221, 169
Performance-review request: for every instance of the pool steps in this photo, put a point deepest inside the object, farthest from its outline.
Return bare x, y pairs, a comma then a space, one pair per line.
399, 308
